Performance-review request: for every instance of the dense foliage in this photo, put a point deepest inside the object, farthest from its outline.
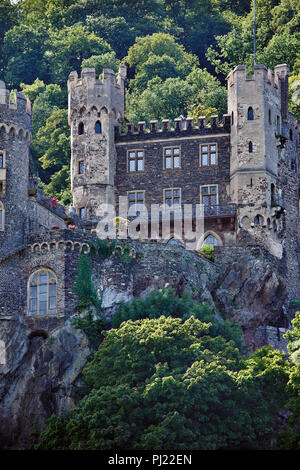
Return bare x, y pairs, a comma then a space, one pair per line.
177, 382
84, 287
178, 54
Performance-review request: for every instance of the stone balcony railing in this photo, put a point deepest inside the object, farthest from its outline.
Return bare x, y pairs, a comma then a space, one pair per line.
220, 210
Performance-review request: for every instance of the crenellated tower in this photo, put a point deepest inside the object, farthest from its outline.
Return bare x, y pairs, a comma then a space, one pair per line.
96, 107
15, 136
263, 145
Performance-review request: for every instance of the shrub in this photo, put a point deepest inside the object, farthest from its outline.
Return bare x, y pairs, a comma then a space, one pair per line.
208, 251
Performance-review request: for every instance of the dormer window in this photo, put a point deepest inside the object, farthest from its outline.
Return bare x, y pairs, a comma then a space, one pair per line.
80, 128
250, 114
98, 129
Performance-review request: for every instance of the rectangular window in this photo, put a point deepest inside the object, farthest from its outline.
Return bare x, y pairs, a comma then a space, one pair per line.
81, 167
209, 195
1, 160
208, 154
1, 219
135, 198
135, 161
172, 197
82, 212
172, 158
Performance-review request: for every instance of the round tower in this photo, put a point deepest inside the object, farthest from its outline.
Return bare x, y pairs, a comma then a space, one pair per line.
258, 106
15, 135
95, 107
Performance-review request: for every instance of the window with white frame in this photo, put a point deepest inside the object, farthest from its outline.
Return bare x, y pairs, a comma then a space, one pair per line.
135, 198
135, 161
172, 158
172, 197
208, 155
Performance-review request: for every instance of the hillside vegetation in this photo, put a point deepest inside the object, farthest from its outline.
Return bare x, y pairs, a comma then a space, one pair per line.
178, 55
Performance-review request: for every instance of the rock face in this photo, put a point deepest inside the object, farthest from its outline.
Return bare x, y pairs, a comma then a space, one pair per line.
40, 378
253, 294
41, 370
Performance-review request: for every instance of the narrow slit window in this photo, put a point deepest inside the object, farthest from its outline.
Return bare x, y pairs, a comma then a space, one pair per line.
81, 167
250, 114
1, 217
80, 128
98, 128
250, 147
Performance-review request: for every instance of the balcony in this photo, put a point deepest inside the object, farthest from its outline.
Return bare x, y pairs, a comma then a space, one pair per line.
220, 210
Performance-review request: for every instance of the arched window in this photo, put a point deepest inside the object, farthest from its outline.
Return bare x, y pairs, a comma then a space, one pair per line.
80, 128
250, 147
258, 220
210, 240
2, 213
98, 127
42, 292
250, 114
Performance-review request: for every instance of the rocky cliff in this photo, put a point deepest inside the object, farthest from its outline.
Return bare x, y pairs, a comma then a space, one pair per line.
41, 375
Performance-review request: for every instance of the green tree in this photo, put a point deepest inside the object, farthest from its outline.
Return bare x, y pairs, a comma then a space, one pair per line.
152, 54
84, 286
68, 47
52, 146
161, 99
23, 50
167, 384
45, 99
100, 62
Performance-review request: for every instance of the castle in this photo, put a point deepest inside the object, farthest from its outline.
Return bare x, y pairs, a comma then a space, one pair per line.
243, 169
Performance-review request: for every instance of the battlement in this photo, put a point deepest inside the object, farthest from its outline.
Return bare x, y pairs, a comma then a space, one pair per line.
89, 92
20, 104
182, 127
261, 74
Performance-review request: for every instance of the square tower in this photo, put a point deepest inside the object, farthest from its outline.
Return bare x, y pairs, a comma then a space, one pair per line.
260, 128
95, 108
